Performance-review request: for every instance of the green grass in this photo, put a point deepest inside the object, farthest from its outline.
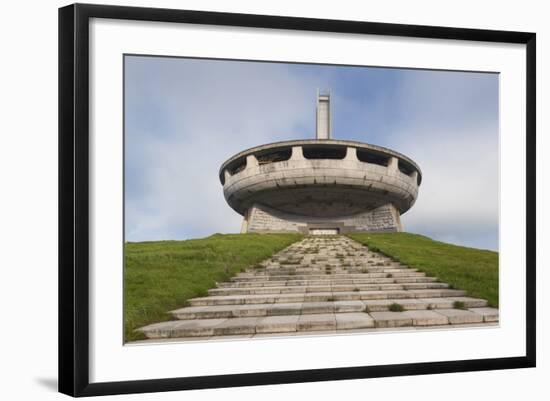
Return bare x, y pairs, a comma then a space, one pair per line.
459, 305
396, 307
469, 269
161, 276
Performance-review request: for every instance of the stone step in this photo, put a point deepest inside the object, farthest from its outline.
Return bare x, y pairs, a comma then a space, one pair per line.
320, 269
278, 309
302, 308
257, 325
349, 276
283, 283
325, 288
382, 305
323, 297
350, 262
282, 271
323, 284
312, 322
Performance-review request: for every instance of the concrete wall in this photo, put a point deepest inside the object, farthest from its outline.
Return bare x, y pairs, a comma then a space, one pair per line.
261, 218
307, 142
350, 185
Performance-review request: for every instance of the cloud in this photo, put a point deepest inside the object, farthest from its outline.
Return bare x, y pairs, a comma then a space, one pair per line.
459, 193
184, 117
183, 120
452, 133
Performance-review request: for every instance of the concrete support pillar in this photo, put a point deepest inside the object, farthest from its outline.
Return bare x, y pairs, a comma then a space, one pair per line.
393, 164
396, 218
244, 225
414, 176
251, 161
351, 155
297, 153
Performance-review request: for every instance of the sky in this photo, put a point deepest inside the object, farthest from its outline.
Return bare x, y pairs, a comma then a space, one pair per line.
184, 117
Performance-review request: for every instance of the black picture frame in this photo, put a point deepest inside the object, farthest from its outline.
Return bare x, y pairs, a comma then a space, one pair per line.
74, 194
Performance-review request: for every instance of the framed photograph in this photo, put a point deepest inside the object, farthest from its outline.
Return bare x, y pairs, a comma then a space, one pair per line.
253, 199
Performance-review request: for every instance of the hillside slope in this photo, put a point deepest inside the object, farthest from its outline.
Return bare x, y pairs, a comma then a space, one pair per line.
160, 276
469, 269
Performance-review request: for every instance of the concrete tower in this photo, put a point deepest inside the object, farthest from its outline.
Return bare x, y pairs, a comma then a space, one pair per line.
322, 185
324, 127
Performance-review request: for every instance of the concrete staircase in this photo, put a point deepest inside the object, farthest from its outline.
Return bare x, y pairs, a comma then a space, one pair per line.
323, 284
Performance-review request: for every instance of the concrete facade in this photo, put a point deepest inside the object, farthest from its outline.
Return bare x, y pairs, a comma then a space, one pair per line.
261, 218
315, 185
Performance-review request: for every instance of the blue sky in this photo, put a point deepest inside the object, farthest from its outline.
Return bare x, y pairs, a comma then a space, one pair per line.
184, 117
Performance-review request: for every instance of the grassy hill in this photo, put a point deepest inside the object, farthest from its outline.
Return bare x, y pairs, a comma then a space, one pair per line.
161, 276
469, 269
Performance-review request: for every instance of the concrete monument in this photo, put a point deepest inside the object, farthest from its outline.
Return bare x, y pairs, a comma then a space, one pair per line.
320, 186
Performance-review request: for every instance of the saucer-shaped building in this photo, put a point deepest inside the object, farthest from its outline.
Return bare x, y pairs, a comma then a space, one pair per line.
320, 186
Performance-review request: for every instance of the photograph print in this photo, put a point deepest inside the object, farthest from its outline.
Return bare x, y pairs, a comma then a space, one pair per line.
270, 199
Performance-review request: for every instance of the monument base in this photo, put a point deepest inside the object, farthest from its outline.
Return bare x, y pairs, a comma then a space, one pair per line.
262, 219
